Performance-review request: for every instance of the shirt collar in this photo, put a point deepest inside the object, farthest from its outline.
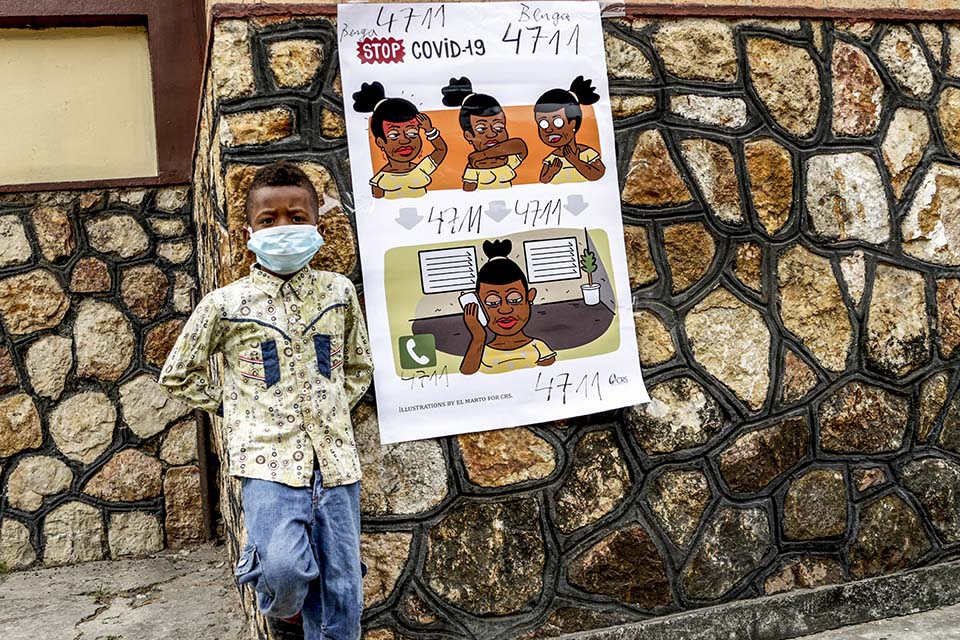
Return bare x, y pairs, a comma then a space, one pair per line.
301, 283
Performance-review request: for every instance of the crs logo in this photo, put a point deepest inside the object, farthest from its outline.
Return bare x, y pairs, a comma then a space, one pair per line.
380, 50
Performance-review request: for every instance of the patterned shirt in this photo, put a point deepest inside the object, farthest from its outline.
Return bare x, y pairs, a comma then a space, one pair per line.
296, 361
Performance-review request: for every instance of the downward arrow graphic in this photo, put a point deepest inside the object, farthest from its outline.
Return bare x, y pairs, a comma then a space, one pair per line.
575, 204
497, 210
409, 218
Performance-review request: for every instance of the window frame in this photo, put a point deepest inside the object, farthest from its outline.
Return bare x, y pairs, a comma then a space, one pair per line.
176, 36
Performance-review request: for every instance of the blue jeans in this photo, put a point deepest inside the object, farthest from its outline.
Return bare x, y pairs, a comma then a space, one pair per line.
303, 554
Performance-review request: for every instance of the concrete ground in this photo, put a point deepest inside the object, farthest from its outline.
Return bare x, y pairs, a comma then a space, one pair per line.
181, 595
936, 624
190, 595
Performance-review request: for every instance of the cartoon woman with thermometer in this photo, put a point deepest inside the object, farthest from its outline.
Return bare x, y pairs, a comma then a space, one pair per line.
558, 115
506, 301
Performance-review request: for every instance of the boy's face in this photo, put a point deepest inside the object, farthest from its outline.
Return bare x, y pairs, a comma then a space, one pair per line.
278, 206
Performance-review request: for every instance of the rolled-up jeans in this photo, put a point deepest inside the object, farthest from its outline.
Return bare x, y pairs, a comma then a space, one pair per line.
303, 554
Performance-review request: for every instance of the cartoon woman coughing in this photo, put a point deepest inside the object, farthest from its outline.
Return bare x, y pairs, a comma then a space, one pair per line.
496, 156
506, 300
396, 125
558, 115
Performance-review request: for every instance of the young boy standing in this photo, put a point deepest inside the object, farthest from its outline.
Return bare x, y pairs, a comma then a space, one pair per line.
296, 360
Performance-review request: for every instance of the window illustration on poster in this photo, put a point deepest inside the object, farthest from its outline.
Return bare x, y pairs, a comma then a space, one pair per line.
488, 214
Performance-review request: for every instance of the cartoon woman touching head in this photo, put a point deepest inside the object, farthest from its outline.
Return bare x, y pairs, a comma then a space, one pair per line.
558, 115
506, 300
493, 163
396, 125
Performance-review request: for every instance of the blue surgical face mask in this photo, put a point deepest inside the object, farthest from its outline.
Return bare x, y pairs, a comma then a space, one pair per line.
285, 249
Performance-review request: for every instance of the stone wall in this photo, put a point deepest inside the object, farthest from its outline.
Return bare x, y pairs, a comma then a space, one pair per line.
95, 460
790, 191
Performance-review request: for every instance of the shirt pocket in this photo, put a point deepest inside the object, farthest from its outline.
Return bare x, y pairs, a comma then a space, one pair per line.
329, 353
260, 364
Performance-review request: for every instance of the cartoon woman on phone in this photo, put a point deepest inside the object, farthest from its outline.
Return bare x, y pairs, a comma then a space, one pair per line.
558, 115
396, 125
506, 302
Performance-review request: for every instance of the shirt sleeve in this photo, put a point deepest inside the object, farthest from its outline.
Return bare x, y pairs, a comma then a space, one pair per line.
376, 179
589, 154
186, 373
427, 165
514, 161
471, 175
357, 361
544, 351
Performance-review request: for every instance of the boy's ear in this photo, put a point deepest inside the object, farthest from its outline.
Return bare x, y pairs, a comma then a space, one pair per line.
468, 136
531, 294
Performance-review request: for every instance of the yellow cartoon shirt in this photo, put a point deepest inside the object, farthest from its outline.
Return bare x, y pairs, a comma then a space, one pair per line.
498, 361
496, 178
412, 184
568, 173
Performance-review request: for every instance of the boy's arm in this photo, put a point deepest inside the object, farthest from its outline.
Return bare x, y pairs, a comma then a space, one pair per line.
357, 361
186, 373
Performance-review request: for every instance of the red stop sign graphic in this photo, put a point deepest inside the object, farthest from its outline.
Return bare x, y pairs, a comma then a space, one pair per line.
380, 50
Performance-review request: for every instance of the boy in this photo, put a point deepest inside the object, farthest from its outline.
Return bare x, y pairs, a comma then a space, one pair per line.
296, 360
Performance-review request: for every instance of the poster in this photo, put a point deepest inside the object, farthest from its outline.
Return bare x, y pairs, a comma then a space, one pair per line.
488, 213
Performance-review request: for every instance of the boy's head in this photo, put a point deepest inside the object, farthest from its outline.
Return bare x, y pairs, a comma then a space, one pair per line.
281, 194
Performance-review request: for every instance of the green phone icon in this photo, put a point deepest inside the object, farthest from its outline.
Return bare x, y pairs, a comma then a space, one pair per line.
417, 352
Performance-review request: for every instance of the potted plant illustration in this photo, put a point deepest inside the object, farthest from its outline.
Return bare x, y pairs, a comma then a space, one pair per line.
591, 291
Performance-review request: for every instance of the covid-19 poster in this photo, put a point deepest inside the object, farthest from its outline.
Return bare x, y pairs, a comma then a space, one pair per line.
488, 213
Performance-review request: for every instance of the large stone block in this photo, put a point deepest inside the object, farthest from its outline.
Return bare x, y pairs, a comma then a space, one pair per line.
128, 476
399, 479
898, 340
487, 558
812, 307
19, 425
506, 456
147, 407
34, 478
815, 506
73, 532
787, 80
104, 341
697, 49
82, 425
758, 457
678, 498
134, 533
385, 555
596, 482
732, 342
183, 505
861, 418
890, 538
626, 566
653, 179
733, 545
681, 414
49, 361
32, 301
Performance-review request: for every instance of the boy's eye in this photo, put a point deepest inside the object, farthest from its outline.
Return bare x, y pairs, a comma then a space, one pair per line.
544, 123
514, 300
498, 128
558, 121
413, 133
393, 135
492, 301
480, 128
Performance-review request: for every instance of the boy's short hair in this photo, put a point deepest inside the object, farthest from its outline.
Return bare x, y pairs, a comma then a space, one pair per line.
281, 174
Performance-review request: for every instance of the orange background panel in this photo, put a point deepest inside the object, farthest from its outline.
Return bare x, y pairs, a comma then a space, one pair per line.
520, 124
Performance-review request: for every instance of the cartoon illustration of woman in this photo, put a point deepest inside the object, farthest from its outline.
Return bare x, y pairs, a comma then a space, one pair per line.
506, 300
493, 163
558, 115
396, 125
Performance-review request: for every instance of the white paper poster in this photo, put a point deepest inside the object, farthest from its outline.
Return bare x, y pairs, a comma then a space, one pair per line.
488, 212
